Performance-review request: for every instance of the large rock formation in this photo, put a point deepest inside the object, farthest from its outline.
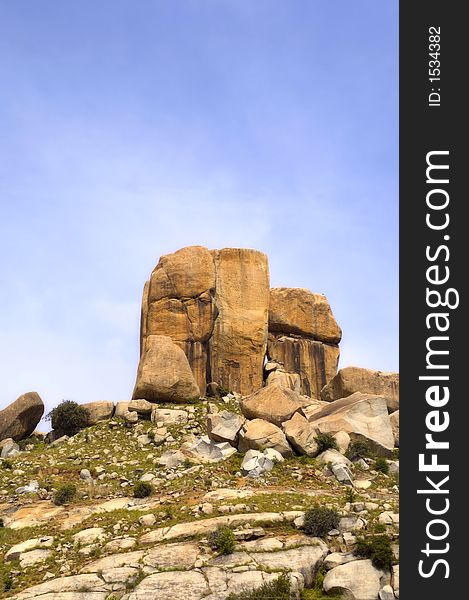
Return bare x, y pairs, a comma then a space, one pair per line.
272, 403
214, 306
20, 418
304, 337
356, 379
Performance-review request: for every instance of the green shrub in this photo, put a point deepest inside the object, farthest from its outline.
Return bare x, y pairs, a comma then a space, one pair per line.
318, 521
326, 441
7, 582
223, 391
64, 494
7, 464
223, 540
358, 449
142, 489
350, 495
68, 417
381, 465
378, 549
280, 589
1, 522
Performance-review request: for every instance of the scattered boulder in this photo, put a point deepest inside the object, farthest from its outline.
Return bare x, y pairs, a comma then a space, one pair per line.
356, 379
334, 458
9, 448
98, 411
169, 416
171, 459
210, 451
301, 435
121, 408
259, 434
342, 439
164, 373
255, 463
386, 593
224, 426
362, 416
20, 418
272, 404
140, 406
394, 418
342, 474
358, 579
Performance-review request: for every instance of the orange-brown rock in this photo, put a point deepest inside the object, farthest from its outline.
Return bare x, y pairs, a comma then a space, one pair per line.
272, 403
301, 312
164, 373
178, 302
239, 339
315, 362
356, 379
19, 419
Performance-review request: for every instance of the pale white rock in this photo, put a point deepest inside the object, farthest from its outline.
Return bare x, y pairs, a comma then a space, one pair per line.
171, 459
28, 559
127, 559
119, 544
84, 584
343, 441
338, 558
395, 579
169, 416
15, 551
224, 426
187, 584
120, 575
359, 579
147, 520
88, 536
172, 556
386, 593
301, 435
334, 457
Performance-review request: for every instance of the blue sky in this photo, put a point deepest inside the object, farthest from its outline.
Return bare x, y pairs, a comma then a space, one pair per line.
131, 129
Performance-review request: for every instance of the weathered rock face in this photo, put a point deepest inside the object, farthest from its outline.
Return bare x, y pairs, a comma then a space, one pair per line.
286, 381
239, 340
362, 416
357, 579
259, 434
224, 426
213, 305
20, 418
301, 312
164, 373
315, 362
301, 435
355, 379
271, 403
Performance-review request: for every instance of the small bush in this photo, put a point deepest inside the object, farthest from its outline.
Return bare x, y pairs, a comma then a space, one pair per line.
350, 495
223, 540
358, 449
381, 465
1, 522
142, 489
280, 589
223, 391
68, 417
326, 441
64, 494
7, 582
7, 464
319, 521
377, 549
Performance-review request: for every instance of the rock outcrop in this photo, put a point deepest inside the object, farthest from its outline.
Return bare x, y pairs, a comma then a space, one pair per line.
304, 337
164, 373
356, 379
214, 306
259, 434
20, 418
362, 416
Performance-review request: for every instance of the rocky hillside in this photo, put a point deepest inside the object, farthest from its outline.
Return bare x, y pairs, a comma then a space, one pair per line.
244, 467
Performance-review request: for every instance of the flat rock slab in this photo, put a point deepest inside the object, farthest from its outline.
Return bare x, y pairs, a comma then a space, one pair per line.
191, 584
84, 584
185, 530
